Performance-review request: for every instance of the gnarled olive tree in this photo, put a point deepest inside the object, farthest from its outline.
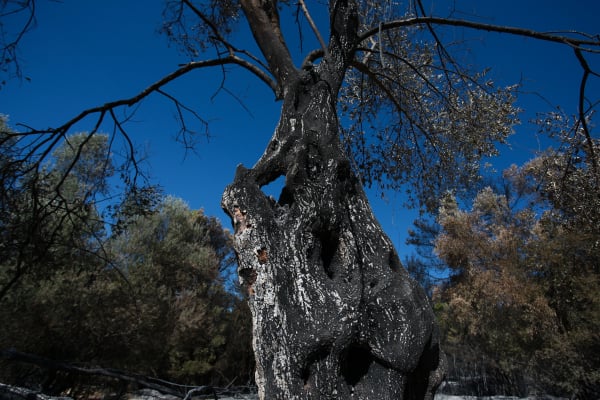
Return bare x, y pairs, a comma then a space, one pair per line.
335, 314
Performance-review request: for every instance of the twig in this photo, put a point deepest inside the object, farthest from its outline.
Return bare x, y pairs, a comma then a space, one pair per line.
15, 355
573, 42
582, 117
313, 26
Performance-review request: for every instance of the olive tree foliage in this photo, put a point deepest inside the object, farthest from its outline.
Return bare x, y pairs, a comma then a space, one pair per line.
418, 117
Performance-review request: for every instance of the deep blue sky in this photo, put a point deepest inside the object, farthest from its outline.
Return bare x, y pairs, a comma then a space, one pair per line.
83, 53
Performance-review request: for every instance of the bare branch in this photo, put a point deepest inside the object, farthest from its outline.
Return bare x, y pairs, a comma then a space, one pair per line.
313, 26
582, 112
119, 127
14, 355
219, 37
441, 49
77, 156
550, 37
256, 71
156, 86
208, 22
410, 65
185, 133
9, 46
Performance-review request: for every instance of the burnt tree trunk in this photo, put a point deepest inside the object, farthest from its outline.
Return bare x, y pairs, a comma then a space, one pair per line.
335, 315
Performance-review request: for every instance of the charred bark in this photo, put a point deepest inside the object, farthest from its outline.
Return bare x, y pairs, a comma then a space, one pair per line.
335, 315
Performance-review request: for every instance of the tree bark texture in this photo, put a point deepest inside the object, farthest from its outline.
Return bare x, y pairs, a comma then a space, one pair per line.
335, 315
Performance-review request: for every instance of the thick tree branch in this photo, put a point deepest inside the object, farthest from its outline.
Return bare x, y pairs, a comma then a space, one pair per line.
344, 23
312, 57
263, 19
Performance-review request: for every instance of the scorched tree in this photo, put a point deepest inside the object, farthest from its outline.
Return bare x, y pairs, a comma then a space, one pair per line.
380, 99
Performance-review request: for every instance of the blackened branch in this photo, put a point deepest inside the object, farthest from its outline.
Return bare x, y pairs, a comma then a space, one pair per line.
9, 46
587, 71
185, 134
155, 87
588, 43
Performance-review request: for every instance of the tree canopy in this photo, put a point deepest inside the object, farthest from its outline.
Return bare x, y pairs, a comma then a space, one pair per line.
413, 117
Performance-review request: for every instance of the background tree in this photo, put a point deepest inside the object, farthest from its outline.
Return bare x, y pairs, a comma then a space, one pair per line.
525, 274
52, 243
174, 268
50, 214
148, 297
60, 199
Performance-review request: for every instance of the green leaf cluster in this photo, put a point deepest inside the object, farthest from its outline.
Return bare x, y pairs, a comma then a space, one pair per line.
147, 294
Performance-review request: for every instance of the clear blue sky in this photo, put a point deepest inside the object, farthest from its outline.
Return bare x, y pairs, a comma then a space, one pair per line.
83, 53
